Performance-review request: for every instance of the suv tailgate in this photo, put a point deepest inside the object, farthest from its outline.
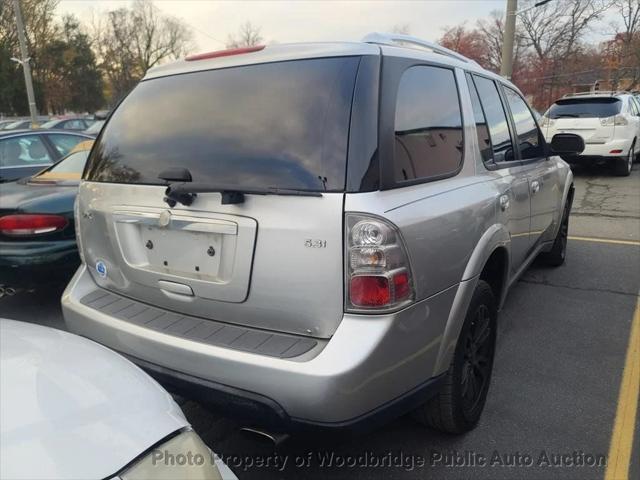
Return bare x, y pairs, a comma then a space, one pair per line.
273, 261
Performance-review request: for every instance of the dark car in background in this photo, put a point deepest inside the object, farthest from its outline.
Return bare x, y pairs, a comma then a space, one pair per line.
95, 128
37, 233
17, 125
77, 124
26, 152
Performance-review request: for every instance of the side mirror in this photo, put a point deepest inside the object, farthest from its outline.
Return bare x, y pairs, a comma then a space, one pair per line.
567, 144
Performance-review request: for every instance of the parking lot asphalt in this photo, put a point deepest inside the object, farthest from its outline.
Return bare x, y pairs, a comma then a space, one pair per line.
555, 393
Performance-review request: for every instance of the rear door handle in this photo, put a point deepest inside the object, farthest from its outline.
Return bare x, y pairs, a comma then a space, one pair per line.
535, 186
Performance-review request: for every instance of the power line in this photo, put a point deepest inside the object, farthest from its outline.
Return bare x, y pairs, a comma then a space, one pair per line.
188, 23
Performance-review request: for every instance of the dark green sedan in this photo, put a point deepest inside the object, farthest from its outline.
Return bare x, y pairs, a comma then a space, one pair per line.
37, 234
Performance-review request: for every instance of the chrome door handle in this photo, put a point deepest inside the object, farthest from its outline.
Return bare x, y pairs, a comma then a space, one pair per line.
504, 202
535, 186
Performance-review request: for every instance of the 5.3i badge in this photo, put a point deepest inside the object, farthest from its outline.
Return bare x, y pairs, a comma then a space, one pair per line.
101, 268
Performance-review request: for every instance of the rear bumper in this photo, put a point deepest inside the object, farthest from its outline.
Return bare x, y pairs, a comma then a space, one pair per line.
32, 264
373, 366
604, 150
260, 410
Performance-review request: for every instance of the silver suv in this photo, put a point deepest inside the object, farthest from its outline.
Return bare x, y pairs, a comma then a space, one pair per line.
317, 234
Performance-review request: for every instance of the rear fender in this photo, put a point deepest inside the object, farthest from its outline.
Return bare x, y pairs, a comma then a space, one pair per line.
495, 237
568, 188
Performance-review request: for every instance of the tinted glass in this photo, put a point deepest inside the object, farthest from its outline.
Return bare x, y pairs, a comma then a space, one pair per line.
64, 143
585, 108
23, 151
428, 128
496, 119
282, 125
526, 129
484, 142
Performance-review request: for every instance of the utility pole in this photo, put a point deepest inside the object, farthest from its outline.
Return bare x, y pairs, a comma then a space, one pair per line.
506, 68
24, 61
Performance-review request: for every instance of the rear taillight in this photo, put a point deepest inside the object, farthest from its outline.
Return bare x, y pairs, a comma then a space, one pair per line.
618, 120
377, 268
31, 224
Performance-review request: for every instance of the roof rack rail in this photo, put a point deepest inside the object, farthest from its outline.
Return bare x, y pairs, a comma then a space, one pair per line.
611, 93
396, 39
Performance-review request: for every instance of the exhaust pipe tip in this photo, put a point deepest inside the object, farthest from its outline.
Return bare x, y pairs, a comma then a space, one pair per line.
10, 291
276, 439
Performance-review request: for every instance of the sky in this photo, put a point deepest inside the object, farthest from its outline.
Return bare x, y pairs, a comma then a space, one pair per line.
301, 20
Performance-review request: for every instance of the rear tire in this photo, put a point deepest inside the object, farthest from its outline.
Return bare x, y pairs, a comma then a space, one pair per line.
558, 253
457, 407
623, 166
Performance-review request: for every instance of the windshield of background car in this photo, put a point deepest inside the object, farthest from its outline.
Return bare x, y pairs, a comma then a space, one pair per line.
279, 125
15, 125
95, 127
585, 108
50, 124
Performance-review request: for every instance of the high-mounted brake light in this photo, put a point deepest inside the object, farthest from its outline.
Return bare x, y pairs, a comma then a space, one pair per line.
377, 268
224, 53
31, 224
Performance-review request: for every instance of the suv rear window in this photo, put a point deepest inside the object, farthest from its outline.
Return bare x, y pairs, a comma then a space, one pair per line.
585, 108
280, 125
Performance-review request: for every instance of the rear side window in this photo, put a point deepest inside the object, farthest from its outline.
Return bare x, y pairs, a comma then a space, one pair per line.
428, 125
529, 138
279, 125
496, 119
65, 143
484, 142
73, 125
585, 108
23, 151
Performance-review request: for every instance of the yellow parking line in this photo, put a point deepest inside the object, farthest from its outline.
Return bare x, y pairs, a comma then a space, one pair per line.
606, 240
623, 429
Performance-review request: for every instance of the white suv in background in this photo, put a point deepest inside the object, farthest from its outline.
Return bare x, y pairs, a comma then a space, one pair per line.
609, 123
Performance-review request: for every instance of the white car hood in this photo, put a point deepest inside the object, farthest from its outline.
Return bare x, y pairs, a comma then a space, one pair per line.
72, 409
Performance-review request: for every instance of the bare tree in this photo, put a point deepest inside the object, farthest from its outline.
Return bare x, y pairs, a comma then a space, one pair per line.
492, 30
130, 41
624, 49
248, 35
157, 37
555, 29
401, 28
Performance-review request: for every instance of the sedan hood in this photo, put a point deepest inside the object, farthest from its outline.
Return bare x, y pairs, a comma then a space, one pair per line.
73, 409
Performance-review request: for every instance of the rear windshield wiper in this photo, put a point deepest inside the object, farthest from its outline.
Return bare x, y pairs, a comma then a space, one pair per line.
186, 192
571, 115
